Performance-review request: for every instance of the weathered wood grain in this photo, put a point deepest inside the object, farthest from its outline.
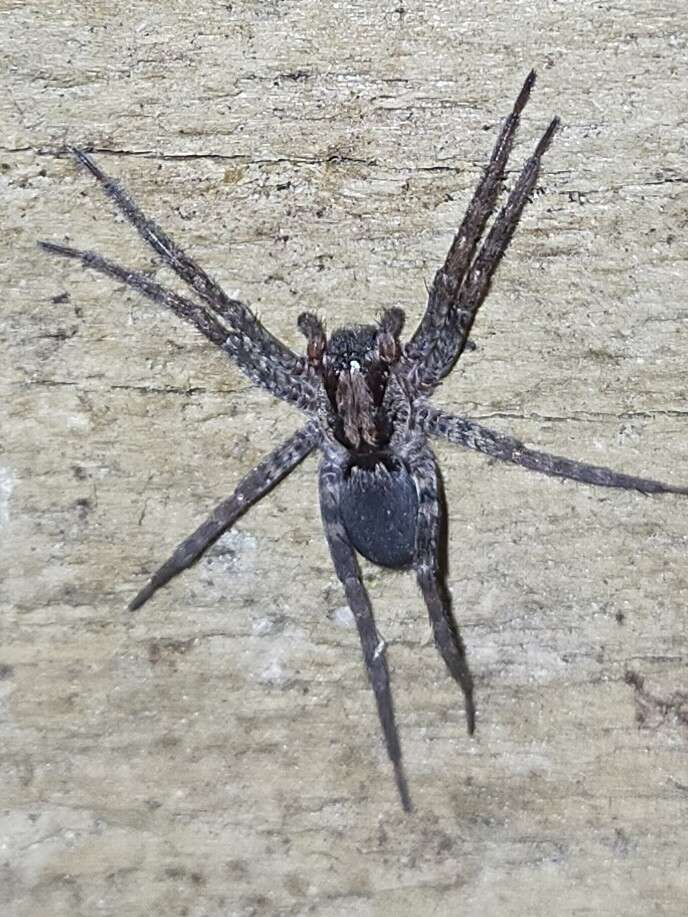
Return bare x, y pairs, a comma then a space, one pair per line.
218, 752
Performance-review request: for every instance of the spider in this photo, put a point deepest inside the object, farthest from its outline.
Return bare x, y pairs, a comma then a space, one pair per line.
366, 398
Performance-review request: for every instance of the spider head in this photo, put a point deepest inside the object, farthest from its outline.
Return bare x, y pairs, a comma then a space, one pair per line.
357, 348
354, 365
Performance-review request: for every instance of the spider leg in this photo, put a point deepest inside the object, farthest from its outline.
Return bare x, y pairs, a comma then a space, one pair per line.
181, 306
448, 278
428, 565
472, 435
240, 316
477, 282
347, 570
250, 489
241, 348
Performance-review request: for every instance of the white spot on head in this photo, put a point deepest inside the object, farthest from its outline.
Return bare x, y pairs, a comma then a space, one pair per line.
355, 366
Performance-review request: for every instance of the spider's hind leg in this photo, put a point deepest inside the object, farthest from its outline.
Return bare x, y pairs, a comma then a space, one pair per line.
373, 646
430, 575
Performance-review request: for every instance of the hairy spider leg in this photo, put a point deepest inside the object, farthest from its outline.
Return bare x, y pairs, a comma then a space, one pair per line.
239, 347
234, 311
253, 487
471, 435
182, 307
430, 575
447, 280
347, 570
477, 281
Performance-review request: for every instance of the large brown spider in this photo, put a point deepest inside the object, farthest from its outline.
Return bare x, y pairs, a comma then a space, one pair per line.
365, 394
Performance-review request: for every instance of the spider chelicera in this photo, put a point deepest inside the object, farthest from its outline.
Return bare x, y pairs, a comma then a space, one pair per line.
365, 394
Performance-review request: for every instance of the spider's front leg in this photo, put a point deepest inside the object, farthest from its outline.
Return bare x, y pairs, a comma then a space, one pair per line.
246, 352
227, 322
239, 315
250, 489
461, 285
447, 280
180, 305
346, 567
430, 574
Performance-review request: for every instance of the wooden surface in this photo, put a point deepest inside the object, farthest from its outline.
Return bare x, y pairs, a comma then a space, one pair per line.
218, 752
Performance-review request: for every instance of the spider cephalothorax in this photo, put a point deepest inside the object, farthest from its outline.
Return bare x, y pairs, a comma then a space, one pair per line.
365, 395
359, 367
354, 365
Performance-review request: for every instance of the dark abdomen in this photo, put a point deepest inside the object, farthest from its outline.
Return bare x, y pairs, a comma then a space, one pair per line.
379, 508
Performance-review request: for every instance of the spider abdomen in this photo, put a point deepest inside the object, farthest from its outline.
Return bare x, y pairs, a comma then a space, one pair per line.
379, 509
